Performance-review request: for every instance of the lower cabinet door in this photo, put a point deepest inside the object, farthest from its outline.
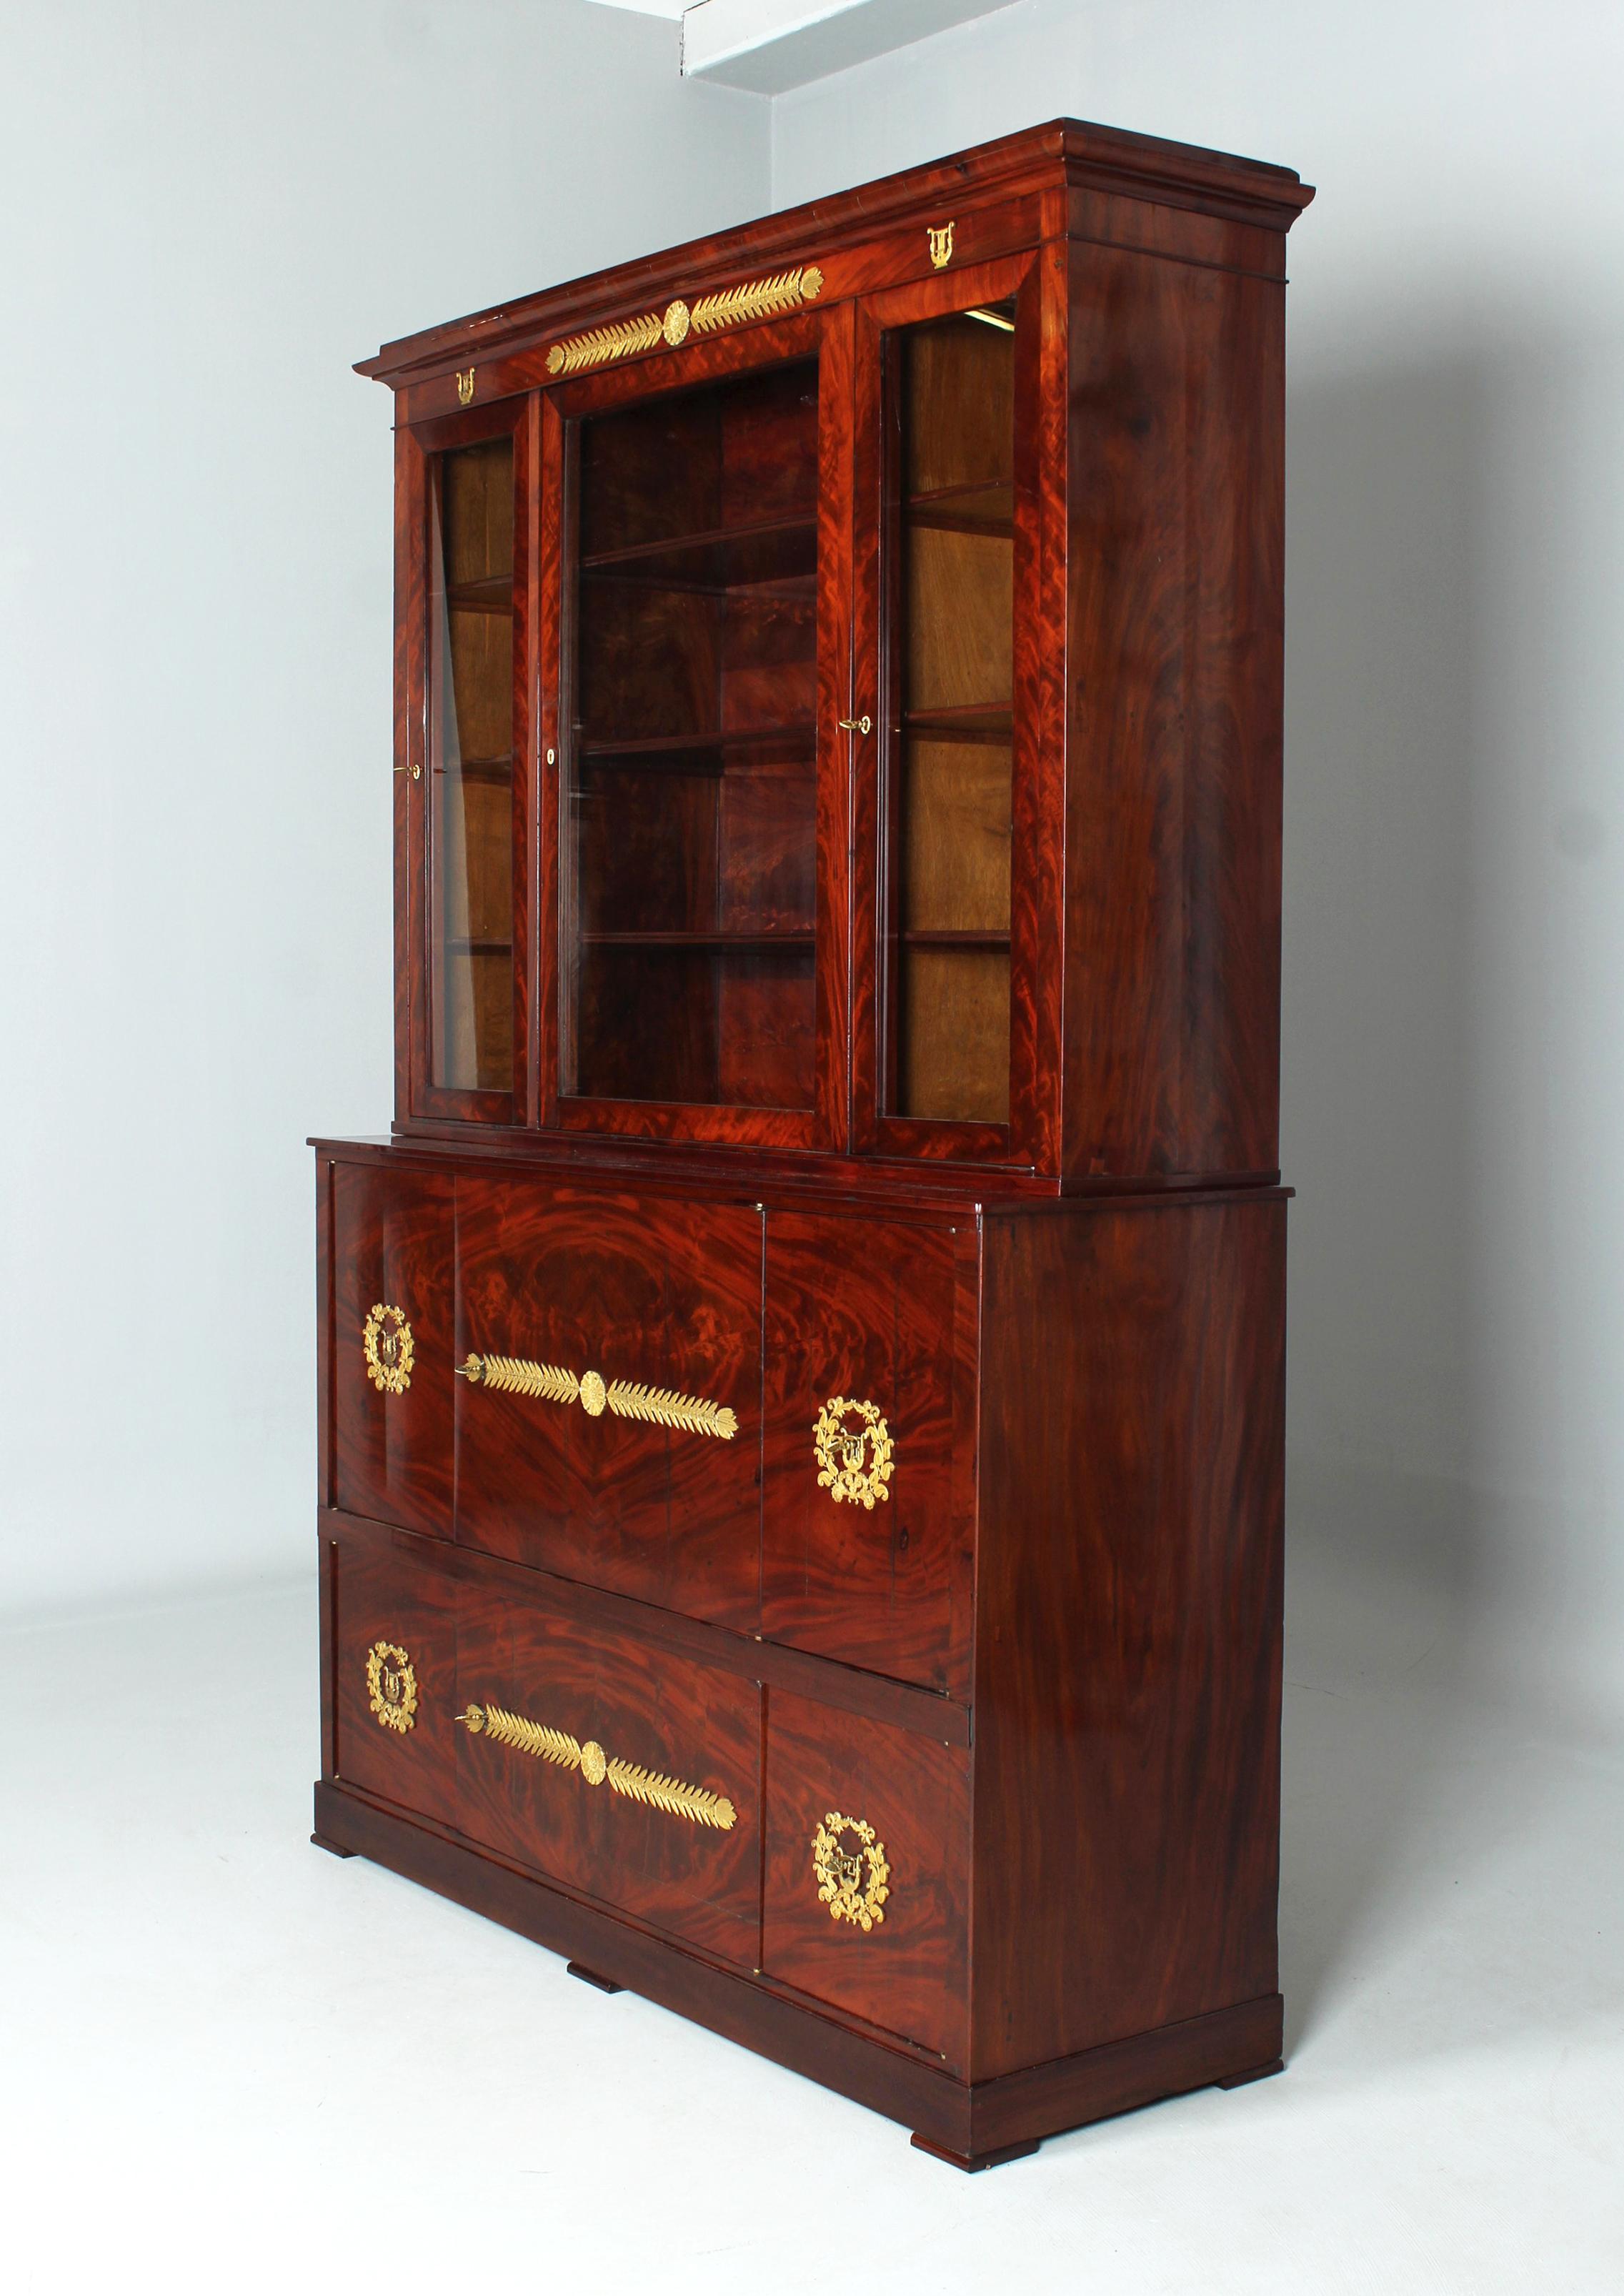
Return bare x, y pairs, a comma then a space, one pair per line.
627, 1773
609, 1402
866, 1874
869, 1452
391, 1345
391, 1648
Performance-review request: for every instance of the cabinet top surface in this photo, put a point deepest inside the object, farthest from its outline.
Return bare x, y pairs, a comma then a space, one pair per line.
1063, 154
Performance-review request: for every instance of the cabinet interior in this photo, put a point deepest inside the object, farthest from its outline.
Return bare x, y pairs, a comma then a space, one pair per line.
471, 760
950, 560
690, 793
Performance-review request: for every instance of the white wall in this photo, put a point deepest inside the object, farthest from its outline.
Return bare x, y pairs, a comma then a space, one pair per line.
1453, 1079
209, 212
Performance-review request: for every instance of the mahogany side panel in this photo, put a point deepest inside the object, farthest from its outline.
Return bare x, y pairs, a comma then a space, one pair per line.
391, 1247
884, 1315
635, 1291
1175, 475
907, 1972
1128, 1623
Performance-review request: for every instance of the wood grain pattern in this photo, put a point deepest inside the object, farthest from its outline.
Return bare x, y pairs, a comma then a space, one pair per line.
908, 1974
391, 1246
1173, 807
900, 1705
663, 1713
1128, 1622
634, 1291
882, 1313
384, 1592
956, 2115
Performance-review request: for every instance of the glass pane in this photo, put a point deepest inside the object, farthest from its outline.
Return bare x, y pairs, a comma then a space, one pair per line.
951, 655
471, 743
691, 845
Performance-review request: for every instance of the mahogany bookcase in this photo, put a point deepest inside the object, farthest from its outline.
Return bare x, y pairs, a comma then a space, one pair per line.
802, 1385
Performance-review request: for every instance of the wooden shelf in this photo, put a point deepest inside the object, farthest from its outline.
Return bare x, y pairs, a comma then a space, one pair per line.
979, 722
718, 558
945, 937
986, 509
705, 754
795, 937
456, 946
479, 769
492, 595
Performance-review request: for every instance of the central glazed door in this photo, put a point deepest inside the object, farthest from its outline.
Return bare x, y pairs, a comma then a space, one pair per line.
697, 778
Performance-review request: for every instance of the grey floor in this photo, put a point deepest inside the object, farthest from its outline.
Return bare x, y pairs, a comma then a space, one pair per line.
229, 2061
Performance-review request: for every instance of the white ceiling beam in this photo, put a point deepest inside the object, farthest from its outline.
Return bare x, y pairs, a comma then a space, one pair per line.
774, 45
770, 46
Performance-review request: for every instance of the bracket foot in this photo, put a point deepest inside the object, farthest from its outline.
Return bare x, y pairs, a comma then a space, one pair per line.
591, 1977
970, 2162
1258, 2072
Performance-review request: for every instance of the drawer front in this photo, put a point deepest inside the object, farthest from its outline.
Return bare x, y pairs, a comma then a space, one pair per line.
866, 1872
392, 1642
660, 1813
610, 1430
869, 1457
620, 1770
391, 1397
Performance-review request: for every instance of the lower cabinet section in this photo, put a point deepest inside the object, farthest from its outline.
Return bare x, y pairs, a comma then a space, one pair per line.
521, 1717
865, 1896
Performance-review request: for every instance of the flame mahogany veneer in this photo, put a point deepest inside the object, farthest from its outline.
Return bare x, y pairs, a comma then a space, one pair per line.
965, 1802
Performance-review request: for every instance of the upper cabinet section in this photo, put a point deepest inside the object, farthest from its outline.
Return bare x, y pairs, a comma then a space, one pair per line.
839, 677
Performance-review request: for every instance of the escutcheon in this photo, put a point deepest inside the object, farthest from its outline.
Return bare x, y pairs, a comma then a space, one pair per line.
391, 1686
386, 1343
854, 1462
844, 1850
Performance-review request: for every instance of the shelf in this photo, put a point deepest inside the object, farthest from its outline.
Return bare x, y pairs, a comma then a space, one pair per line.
702, 753
930, 936
794, 939
494, 770
462, 946
492, 595
719, 558
979, 722
985, 509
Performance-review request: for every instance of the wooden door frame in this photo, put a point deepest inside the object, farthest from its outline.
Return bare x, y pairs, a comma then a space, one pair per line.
824, 334
417, 1097
1032, 1134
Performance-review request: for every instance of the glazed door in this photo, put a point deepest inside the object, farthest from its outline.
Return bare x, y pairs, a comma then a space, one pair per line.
465, 591
701, 767
955, 927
